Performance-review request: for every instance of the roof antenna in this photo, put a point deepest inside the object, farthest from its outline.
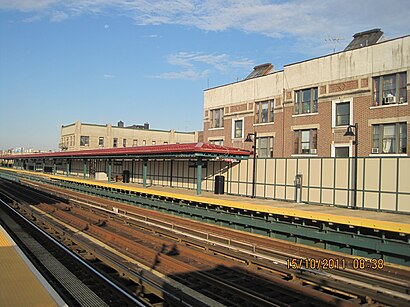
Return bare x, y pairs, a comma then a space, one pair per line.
334, 40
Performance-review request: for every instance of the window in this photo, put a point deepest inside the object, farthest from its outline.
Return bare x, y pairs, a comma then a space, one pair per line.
342, 112
101, 141
124, 142
390, 138
84, 140
115, 142
305, 141
134, 143
238, 128
144, 142
390, 89
217, 118
306, 101
154, 142
264, 147
264, 111
217, 142
165, 142
342, 152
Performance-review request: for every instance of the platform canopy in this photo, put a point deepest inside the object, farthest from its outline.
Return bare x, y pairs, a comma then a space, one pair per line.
198, 151
189, 150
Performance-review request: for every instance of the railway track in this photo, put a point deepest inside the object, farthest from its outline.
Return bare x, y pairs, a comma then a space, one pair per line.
246, 267
75, 281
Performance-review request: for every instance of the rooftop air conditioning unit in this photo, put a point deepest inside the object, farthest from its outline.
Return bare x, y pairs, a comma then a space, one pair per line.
375, 150
313, 151
390, 99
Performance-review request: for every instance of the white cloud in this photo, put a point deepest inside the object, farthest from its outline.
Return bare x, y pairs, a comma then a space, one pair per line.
222, 62
185, 74
108, 76
27, 5
299, 18
197, 65
153, 36
58, 16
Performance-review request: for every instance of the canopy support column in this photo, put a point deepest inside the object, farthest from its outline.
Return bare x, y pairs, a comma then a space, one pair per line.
68, 167
85, 169
170, 172
109, 170
199, 176
144, 172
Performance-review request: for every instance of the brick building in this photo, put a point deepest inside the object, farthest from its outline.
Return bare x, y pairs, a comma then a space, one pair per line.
83, 136
305, 109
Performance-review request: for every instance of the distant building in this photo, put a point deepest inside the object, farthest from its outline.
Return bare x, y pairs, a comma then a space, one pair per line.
305, 109
21, 150
82, 136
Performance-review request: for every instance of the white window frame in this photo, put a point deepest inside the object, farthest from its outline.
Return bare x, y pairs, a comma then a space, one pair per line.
335, 145
233, 128
334, 103
99, 141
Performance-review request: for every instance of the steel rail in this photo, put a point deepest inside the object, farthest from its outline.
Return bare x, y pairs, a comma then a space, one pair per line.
77, 258
171, 227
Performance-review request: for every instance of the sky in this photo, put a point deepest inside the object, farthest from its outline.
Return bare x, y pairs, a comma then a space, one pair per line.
102, 61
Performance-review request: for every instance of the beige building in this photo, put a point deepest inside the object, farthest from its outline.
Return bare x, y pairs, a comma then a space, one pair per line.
305, 109
81, 136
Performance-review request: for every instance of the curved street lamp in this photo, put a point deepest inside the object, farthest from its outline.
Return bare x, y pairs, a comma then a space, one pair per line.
355, 133
249, 139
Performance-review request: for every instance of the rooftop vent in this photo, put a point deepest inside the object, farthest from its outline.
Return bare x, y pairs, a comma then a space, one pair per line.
261, 70
364, 39
145, 126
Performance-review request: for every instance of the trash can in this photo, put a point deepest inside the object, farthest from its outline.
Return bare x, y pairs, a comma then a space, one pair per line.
126, 176
219, 185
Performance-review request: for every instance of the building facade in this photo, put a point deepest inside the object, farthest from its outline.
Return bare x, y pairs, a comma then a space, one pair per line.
82, 136
305, 109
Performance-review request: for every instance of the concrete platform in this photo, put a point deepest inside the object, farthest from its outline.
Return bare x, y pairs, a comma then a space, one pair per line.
357, 217
20, 282
393, 222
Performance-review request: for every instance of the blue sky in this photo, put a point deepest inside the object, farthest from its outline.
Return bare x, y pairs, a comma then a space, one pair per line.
101, 61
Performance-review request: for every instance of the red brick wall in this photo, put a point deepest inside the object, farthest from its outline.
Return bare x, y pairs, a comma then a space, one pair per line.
283, 142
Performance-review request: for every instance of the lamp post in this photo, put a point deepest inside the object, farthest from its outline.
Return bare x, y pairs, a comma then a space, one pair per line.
249, 139
349, 132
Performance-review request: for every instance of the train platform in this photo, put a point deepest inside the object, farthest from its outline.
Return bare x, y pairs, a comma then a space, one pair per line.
21, 283
365, 233
355, 217
378, 220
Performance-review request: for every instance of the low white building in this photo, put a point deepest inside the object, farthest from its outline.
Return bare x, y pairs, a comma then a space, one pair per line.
82, 136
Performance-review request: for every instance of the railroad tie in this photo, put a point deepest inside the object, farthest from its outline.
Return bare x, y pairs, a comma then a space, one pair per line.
68, 280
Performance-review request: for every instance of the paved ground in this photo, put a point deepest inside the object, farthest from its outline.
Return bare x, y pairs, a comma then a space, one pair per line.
20, 283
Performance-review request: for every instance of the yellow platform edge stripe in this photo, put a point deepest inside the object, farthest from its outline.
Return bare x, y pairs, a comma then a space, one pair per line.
344, 220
